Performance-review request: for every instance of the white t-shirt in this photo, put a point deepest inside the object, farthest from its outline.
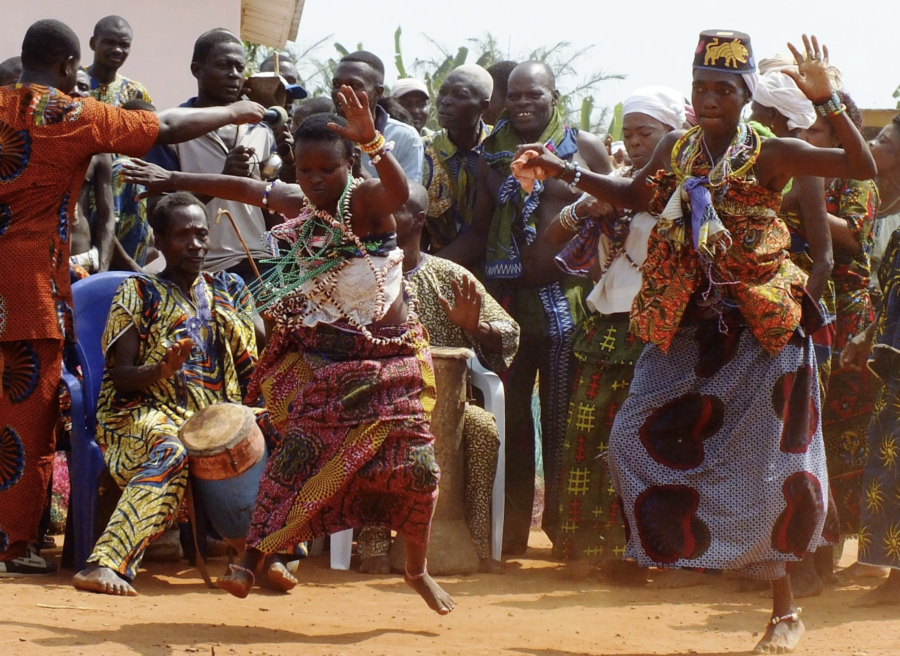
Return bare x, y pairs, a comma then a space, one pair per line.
207, 154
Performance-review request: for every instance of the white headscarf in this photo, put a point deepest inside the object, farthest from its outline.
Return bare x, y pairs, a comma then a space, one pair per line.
662, 103
751, 80
780, 92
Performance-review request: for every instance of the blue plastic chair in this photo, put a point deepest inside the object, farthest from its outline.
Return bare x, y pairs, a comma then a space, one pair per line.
92, 299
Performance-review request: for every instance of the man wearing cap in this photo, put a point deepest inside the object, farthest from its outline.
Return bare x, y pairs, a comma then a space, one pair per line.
218, 64
717, 453
413, 95
111, 44
451, 154
614, 244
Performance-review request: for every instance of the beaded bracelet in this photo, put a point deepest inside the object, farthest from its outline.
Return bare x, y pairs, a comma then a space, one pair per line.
577, 177
790, 617
265, 200
388, 147
373, 146
831, 107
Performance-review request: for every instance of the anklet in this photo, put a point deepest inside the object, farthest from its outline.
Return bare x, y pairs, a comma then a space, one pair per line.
416, 577
248, 571
793, 617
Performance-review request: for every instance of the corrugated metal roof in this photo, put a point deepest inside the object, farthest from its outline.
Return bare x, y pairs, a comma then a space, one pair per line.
270, 22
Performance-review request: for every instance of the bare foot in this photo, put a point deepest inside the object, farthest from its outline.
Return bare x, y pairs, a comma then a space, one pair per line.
805, 580
861, 571
491, 566
671, 579
278, 578
624, 572
103, 580
375, 565
433, 594
236, 581
886, 594
781, 638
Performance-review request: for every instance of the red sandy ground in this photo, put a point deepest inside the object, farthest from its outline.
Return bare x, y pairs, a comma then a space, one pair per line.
532, 610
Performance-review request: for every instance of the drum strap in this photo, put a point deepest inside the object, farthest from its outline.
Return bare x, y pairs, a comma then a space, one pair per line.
201, 564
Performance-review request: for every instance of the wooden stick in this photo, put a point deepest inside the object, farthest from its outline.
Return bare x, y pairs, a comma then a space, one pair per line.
219, 214
277, 71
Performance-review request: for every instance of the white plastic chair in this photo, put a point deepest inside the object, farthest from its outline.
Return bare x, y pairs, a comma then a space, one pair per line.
492, 387
494, 402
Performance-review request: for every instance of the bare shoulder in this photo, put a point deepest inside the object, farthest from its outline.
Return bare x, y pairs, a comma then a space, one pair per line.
593, 151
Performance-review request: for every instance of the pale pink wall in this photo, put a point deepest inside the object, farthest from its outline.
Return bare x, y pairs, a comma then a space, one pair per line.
164, 35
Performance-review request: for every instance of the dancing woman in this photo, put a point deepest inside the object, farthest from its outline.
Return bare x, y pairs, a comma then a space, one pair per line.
717, 453
347, 372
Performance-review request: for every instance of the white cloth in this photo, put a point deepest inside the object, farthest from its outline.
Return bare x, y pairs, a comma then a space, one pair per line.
621, 282
207, 154
779, 92
354, 291
751, 80
662, 103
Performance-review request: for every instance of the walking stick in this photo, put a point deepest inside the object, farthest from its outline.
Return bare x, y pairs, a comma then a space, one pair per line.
219, 214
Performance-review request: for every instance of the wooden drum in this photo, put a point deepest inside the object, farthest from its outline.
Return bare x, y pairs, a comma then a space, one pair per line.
450, 550
226, 458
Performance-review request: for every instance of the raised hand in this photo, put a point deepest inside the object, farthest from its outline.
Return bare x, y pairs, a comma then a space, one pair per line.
553, 166
360, 124
811, 75
466, 306
155, 178
175, 357
247, 111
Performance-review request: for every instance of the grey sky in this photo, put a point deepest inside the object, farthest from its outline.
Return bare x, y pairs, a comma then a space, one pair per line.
650, 41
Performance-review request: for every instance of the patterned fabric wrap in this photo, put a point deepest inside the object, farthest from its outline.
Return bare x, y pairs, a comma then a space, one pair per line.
449, 176
514, 224
356, 448
29, 409
590, 517
160, 312
47, 140
717, 453
851, 394
879, 531
138, 431
753, 274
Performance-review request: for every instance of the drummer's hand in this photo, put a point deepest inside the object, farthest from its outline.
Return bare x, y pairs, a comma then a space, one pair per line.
175, 357
466, 306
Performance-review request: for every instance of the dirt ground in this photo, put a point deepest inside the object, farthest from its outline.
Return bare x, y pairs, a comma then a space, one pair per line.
533, 610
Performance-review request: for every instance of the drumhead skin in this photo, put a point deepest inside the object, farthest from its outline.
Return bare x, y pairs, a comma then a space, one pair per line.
452, 352
216, 428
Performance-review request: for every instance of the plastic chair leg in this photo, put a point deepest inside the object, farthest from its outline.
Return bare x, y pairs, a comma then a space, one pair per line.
492, 387
341, 549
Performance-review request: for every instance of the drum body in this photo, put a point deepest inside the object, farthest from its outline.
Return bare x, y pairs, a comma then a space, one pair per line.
226, 458
450, 548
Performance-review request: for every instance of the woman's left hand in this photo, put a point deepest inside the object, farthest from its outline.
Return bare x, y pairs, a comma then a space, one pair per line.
811, 75
360, 123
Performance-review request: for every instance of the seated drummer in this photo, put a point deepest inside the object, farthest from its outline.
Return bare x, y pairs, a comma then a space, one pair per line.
175, 343
457, 312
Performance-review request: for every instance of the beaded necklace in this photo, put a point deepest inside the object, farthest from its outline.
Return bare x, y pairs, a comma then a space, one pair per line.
739, 158
279, 291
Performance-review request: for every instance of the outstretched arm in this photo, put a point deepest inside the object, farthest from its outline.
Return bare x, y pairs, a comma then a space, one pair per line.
286, 199
185, 123
634, 194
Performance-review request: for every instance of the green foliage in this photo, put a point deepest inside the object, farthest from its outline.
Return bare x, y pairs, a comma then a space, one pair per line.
615, 128
567, 63
897, 95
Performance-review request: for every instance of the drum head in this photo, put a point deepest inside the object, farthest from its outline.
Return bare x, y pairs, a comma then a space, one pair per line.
216, 428
452, 352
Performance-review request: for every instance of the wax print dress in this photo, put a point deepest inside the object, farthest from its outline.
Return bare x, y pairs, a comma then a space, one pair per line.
879, 531
717, 453
851, 394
